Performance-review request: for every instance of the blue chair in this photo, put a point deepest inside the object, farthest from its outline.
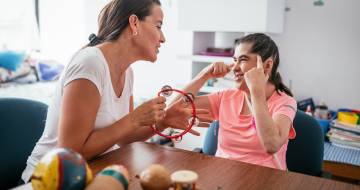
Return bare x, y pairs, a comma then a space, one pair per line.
21, 125
305, 152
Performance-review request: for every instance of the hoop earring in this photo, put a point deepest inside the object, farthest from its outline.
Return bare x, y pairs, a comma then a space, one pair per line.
135, 33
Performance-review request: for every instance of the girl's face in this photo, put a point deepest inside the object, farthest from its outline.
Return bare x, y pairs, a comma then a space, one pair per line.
244, 60
150, 34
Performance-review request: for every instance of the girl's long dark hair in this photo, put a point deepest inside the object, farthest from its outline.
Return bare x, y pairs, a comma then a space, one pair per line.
266, 48
114, 18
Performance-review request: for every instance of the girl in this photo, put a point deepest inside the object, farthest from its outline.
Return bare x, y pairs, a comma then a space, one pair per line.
256, 118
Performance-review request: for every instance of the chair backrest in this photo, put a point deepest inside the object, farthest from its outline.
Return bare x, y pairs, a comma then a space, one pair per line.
304, 153
21, 125
211, 139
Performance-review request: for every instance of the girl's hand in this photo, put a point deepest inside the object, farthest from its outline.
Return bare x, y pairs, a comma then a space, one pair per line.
149, 112
255, 78
217, 70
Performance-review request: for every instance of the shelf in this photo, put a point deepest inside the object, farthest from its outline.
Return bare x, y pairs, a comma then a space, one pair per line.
206, 59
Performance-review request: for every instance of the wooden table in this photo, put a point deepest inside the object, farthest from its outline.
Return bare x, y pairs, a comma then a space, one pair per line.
345, 172
214, 173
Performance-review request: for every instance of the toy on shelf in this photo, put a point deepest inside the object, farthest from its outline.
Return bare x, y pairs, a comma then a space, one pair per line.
61, 169
348, 117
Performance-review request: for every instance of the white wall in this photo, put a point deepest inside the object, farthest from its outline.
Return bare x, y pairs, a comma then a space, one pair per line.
62, 28
320, 51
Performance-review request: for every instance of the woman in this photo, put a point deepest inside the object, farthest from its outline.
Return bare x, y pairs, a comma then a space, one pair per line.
93, 108
256, 118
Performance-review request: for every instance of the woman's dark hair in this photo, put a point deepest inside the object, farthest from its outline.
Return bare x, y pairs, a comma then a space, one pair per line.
266, 48
114, 18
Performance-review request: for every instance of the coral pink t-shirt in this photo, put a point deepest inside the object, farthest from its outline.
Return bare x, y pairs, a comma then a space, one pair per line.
237, 138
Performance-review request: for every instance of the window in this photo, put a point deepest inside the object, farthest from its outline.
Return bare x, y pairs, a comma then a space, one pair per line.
18, 25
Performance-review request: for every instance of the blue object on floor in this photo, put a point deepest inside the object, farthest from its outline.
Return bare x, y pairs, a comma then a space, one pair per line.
22, 123
325, 125
11, 60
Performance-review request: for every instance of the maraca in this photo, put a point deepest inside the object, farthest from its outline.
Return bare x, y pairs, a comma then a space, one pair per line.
61, 169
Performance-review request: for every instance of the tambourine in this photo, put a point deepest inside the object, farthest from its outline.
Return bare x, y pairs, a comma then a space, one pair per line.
188, 98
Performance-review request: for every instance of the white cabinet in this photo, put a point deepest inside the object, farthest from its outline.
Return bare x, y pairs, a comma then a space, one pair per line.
232, 15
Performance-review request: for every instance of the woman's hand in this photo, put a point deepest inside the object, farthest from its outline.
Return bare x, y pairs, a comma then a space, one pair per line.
149, 112
217, 70
255, 78
178, 114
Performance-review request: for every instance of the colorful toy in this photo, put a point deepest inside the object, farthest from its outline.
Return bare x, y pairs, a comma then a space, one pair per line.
61, 169
113, 177
348, 117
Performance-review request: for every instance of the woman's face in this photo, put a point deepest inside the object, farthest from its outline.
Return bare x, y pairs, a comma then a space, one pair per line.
150, 34
244, 60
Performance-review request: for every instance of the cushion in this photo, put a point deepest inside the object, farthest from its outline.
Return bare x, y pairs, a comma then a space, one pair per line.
11, 60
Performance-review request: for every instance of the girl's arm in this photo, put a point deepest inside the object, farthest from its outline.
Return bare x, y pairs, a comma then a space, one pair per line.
215, 70
272, 132
80, 104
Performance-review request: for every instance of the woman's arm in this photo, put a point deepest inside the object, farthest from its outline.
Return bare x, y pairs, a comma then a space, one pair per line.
80, 104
